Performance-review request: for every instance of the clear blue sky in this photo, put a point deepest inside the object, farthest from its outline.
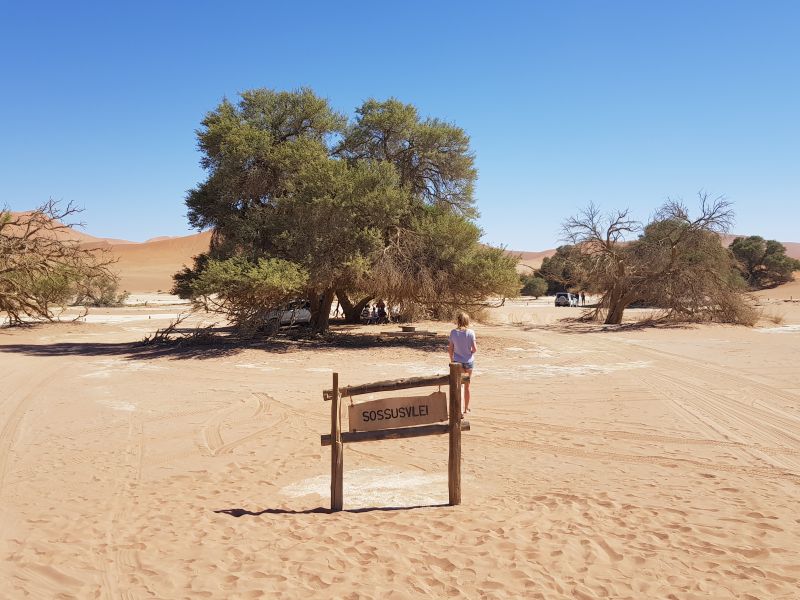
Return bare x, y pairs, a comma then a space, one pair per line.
620, 103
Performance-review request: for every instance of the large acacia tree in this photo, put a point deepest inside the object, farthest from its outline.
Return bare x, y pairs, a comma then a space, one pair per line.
349, 203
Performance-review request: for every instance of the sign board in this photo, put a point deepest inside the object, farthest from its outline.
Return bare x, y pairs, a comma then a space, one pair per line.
388, 413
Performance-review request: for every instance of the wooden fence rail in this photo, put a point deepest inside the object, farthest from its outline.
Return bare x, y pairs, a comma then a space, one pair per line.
390, 386
393, 434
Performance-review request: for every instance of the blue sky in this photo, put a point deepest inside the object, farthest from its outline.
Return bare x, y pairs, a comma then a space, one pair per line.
620, 103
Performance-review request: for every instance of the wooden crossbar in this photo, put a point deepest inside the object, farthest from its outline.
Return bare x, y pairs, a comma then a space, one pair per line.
391, 385
393, 434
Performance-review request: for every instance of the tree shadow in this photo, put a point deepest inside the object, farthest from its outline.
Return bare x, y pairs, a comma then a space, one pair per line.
242, 512
125, 350
223, 343
581, 325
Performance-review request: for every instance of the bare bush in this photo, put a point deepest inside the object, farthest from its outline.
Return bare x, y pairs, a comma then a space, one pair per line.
41, 264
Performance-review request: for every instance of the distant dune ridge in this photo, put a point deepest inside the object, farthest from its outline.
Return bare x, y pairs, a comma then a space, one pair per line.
149, 266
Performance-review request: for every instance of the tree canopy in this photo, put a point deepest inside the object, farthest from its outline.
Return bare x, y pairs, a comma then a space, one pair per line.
763, 263
563, 270
378, 207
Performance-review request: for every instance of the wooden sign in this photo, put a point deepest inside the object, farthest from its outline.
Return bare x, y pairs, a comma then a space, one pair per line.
389, 413
397, 418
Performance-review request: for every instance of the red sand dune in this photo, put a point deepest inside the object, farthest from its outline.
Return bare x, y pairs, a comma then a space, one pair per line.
149, 266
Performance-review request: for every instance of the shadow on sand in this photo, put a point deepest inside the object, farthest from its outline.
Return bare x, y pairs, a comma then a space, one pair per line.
241, 512
223, 344
581, 325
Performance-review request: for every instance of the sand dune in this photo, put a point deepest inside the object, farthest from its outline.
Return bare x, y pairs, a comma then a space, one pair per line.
149, 266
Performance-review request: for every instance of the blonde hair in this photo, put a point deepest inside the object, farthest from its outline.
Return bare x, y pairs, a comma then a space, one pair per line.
462, 319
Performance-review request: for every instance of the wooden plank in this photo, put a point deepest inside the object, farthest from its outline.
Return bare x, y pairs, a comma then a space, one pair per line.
337, 451
454, 456
390, 386
393, 434
389, 413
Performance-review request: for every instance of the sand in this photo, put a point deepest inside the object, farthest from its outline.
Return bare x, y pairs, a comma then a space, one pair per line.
602, 463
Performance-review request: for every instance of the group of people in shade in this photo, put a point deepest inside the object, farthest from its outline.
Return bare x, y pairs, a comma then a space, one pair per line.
375, 315
581, 296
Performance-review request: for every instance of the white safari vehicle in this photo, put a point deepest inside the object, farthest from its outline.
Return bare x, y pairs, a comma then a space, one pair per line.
566, 299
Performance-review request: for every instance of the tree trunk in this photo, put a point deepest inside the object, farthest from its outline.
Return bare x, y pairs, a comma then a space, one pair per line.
321, 311
352, 312
617, 303
614, 316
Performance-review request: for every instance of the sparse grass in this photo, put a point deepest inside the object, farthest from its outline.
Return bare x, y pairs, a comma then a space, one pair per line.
776, 318
519, 320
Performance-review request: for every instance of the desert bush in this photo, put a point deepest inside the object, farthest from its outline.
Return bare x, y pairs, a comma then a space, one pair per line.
101, 291
775, 318
564, 270
533, 285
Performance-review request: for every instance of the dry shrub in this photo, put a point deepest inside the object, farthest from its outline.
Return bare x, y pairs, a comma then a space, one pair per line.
775, 318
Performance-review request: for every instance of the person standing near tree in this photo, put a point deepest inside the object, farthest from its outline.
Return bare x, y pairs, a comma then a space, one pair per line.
462, 349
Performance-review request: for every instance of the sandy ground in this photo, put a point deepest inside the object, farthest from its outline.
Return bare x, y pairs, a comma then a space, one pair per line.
602, 463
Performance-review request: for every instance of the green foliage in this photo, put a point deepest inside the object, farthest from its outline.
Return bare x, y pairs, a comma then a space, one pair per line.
564, 270
431, 157
244, 291
763, 263
533, 285
102, 290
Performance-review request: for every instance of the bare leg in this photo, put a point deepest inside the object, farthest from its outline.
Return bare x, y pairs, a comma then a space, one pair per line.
466, 389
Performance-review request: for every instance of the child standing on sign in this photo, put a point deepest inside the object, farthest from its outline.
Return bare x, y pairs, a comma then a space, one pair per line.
462, 350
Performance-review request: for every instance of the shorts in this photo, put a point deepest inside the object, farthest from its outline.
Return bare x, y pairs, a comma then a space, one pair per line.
468, 365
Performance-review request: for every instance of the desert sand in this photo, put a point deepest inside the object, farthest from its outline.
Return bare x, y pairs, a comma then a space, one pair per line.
602, 463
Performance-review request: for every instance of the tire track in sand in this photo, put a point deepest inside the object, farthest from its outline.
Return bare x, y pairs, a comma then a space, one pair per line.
211, 442
8, 434
117, 561
664, 461
496, 424
47, 578
755, 428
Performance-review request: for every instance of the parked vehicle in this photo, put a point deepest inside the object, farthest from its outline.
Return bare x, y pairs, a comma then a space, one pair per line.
294, 313
566, 299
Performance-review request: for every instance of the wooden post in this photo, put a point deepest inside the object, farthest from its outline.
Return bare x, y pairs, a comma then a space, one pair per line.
337, 450
454, 458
